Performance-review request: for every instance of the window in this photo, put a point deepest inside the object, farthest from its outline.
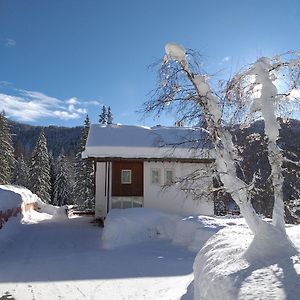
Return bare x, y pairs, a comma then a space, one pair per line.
155, 176
126, 176
169, 176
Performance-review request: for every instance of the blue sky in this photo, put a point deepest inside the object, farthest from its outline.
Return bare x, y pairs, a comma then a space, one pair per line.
61, 59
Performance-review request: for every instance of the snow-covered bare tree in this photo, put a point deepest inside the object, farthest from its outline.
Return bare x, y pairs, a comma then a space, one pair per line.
256, 91
185, 89
103, 115
40, 170
62, 188
84, 173
21, 172
6, 151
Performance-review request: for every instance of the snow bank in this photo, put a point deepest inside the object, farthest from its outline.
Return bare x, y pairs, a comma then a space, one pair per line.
130, 226
223, 271
56, 212
13, 197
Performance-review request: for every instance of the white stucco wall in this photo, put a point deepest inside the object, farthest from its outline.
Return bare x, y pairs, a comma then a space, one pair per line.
100, 197
172, 199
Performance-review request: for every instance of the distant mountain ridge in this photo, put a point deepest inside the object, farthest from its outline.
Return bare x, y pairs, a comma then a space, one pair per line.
67, 139
58, 138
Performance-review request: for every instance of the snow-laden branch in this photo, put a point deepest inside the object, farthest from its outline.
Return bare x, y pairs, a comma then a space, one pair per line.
296, 163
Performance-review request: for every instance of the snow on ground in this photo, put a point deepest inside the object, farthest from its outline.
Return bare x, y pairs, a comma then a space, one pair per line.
221, 270
63, 259
59, 258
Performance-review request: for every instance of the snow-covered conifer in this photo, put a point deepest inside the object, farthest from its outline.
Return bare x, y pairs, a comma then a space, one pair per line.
40, 170
109, 116
21, 171
103, 116
6, 151
52, 163
62, 189
84, 173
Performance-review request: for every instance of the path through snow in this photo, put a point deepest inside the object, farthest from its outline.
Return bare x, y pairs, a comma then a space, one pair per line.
56, 259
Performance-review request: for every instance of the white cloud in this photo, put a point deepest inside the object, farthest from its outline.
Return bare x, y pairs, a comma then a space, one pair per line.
10, 43
65, 115
93, 102
23, 105
72, 101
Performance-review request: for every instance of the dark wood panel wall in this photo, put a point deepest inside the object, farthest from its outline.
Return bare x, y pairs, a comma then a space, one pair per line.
136, 187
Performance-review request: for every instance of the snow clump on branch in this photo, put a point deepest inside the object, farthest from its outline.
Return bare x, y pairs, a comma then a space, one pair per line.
176, 52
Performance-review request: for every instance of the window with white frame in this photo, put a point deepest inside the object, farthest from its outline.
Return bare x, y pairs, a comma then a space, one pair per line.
169, 176
155, 176
126, 176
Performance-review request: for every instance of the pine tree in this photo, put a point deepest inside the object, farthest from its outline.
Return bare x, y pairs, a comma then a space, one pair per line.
84, 180
109, 116
40, 170
52, 173
103, 116
62, 190
6, 151
21, 172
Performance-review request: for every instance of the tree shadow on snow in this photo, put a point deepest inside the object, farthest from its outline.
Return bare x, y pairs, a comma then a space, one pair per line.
283, 270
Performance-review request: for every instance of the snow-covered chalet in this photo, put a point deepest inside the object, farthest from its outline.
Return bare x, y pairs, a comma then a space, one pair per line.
138, 166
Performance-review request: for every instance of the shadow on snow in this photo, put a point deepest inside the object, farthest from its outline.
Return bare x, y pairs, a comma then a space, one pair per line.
71, 250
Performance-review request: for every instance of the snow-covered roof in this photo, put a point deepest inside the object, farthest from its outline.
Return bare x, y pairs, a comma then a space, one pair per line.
126, 141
